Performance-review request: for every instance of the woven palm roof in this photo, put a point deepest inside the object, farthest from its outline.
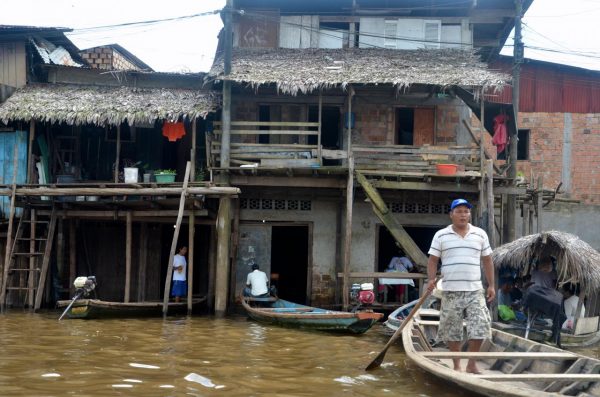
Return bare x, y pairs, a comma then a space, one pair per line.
102, 105
296, 71
576, 260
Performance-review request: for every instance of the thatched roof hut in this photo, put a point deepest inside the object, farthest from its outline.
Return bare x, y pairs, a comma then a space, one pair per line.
103, 105
576, 260
296, 71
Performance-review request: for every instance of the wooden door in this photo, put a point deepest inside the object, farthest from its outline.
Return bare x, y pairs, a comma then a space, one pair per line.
423, 133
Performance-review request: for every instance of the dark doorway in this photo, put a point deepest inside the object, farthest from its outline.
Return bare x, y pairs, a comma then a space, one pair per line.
387, 247
330, 129
405, 121
289, 261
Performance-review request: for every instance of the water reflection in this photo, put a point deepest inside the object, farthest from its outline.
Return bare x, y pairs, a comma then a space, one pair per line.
196, 356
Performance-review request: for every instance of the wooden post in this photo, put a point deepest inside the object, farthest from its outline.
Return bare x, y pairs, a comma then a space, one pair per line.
489, 166
212, 266
175, 238
190, 276
222, 269
30, 163
32, 282
11, 217
128, 227
193, 153
118, 155
526, 219
226, 109
319, 148
235, 239
349, 205
60, 248
540, 210
72, 255
482, 169
142, 266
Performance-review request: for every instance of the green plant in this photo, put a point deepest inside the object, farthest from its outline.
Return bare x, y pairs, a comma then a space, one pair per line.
165, 171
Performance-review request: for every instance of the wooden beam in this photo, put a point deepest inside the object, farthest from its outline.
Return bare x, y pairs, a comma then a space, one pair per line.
98, 191
299, 181
489, 188
142, 262
349, 204
319, 149
32, 260
190, 276
193, 152
167, 290
30, 163
222, 262
503, 355
128, 227
11, 218
395, 228
538, 377
123, 213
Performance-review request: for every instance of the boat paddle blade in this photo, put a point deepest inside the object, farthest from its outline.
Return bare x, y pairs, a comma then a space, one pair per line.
379, 359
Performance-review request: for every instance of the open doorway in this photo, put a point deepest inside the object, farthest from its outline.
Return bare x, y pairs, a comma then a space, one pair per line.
289, 262
415, 126
330, 129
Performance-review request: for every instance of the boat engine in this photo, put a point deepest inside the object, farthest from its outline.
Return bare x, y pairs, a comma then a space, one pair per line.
362, 295
83, 286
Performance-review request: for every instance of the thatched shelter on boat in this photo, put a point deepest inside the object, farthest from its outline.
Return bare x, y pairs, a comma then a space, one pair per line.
296, 71
576, 260
75, 104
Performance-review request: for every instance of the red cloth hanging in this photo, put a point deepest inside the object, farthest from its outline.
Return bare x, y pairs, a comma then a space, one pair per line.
500, 138
173, 131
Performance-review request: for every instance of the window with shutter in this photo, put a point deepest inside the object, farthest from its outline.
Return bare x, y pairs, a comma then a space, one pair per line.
390, 33
432, 34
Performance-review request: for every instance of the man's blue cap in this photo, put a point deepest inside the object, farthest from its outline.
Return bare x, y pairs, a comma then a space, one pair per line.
458, 202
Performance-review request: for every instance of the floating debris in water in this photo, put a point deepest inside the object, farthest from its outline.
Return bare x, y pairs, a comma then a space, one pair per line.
51, 375
132, 380
204, 381
147, 366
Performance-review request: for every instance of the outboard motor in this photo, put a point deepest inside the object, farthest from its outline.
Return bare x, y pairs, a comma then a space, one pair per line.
83, 286
361, 295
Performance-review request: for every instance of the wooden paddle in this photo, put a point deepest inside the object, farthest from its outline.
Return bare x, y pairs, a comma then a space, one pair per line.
379, 359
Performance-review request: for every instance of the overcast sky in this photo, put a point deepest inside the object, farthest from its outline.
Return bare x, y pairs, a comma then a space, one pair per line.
567, 30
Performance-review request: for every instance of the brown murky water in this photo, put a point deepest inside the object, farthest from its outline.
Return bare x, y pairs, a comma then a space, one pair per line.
197, 356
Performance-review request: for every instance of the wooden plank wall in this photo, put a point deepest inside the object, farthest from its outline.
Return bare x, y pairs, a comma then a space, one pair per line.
12, 64
7, 144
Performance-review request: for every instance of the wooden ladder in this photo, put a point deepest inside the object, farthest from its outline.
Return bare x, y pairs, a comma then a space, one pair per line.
31, 274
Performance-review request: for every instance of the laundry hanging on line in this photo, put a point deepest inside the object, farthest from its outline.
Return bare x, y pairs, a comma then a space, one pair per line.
173, 131
500, 138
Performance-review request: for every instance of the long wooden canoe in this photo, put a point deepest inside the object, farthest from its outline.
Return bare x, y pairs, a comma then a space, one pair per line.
95, 308
510, 365
289, 314
396, 317
567, 340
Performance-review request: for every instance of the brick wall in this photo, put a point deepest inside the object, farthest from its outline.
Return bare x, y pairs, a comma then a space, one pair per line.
106, 58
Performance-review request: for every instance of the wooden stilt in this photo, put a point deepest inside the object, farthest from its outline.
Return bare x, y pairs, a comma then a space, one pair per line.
212, 266
222, 266
30, 163
235, 238
193, 154
128, 228
142, 264
489, 167
481, 208
190, 276
72, 256
349, 204
11, 218
175, 238
45, 261
540, 210
118, 155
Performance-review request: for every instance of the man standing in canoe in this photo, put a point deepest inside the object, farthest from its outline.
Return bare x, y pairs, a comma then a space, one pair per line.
462, 248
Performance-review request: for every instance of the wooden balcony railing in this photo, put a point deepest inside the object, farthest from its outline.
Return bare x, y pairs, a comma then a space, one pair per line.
289, 144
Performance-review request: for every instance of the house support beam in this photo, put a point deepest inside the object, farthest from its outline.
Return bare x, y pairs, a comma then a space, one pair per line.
190, 276
142, 262
30, 163
349, 204
118, 155
222, 265
128, 228
103, 191
72, 255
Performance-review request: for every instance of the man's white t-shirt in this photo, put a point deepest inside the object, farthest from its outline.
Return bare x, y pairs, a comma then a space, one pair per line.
258, 280
179, 260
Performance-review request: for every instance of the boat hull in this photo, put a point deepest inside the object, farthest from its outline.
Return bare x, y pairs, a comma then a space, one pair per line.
95, 308
289, 314
510, 365
567, 340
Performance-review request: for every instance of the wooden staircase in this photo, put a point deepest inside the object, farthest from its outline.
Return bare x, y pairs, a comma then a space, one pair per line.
389, 220
24, 281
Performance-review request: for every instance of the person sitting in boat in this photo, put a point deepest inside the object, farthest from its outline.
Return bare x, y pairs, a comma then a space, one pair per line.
571, 301
544, 275
257, 283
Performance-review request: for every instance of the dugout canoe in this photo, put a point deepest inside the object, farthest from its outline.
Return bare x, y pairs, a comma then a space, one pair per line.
95, 308
510, 365
289, 314
568, 340
427, 311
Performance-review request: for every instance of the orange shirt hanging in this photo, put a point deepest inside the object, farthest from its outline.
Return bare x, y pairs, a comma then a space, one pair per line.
173, 131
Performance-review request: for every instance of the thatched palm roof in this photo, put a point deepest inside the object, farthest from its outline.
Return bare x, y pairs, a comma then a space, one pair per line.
303, 70
576, 260
103, 105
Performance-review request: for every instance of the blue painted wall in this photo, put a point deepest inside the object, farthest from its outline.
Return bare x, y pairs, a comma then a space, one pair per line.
8, 140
